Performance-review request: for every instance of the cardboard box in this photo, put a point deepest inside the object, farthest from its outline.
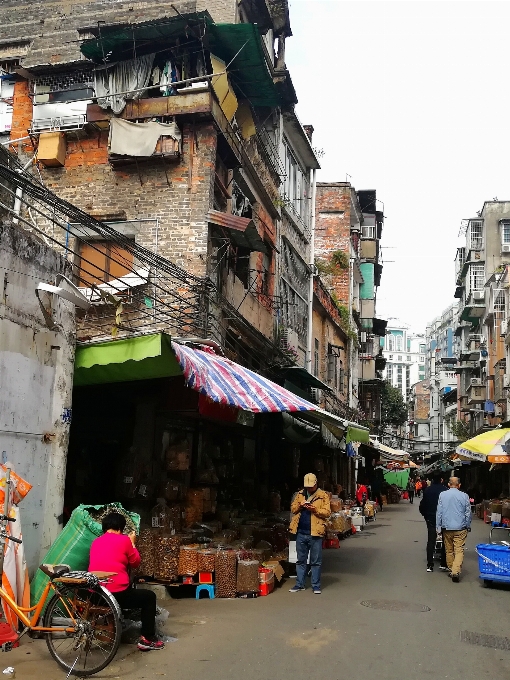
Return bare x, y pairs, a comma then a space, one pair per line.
52, 149
276, 568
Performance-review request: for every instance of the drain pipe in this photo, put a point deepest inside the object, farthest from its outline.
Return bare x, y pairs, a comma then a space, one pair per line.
312, 271
19, 192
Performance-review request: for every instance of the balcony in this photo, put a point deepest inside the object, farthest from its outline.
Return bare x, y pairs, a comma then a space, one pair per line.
189, 104
476, 392
475, 307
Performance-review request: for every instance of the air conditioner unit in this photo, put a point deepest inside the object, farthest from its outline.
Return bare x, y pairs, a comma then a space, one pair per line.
504, 328
505, 248
506, 381
498, 410
478, 295
476, 382
316, 394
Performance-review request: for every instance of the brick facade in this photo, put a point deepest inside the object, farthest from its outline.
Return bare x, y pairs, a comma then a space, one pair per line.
333, 232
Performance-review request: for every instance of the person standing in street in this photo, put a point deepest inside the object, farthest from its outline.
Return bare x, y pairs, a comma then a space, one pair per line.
361, 495
310, 510
418, 486
410, 490
454, 519
428, 508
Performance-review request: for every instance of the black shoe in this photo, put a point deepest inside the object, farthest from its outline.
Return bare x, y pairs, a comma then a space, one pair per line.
456, 578
430, 567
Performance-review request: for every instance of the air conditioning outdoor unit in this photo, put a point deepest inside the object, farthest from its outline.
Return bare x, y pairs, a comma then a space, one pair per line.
478, 295
505, 248
316, 394
504, 328
506, 381
476, 382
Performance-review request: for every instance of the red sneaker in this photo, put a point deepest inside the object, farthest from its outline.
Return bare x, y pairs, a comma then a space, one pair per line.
145, 645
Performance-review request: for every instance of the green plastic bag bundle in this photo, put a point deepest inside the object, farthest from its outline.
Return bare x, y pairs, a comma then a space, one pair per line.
72, 545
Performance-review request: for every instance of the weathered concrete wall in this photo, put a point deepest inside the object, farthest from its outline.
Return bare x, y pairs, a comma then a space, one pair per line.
36, 374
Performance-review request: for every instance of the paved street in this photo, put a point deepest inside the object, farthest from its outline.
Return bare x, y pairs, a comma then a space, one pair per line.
330, 636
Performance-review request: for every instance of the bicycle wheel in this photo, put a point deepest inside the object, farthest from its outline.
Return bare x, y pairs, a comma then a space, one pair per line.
97, 630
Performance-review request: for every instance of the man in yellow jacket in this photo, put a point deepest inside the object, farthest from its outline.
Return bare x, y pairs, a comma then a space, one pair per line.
310, 510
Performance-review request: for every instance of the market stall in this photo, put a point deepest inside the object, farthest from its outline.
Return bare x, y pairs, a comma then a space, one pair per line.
206, 452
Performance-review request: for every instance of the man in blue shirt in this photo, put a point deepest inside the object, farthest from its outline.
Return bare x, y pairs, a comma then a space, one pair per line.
453, 517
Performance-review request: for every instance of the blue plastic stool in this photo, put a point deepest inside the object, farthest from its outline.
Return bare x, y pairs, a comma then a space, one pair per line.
207, 588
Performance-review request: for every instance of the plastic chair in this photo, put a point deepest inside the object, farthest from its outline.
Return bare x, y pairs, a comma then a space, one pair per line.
206, 588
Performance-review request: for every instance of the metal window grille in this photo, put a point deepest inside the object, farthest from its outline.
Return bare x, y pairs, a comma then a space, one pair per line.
476, 235
316, 359
476, 277
505, 233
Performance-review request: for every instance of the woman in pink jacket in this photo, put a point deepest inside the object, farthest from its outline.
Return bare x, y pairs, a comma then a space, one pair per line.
115, 552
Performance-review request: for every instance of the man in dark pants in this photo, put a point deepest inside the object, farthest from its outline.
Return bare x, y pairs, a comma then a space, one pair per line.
410, 490
428, 508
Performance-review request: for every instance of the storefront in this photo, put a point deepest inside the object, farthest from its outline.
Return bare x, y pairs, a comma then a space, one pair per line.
195, 443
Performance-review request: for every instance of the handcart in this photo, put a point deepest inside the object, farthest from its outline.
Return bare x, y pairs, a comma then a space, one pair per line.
494, 558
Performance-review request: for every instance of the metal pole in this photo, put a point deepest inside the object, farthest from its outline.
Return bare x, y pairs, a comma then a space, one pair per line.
3, 523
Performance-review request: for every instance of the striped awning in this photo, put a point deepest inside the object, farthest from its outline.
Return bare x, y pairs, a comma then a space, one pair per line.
226, 382
389, 454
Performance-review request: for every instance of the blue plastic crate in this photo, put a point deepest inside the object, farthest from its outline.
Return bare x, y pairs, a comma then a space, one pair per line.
493, 560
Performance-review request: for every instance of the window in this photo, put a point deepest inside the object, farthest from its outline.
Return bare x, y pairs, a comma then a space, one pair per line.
399, 343
102, 261
341, 377
368, 231
332, 369
476, 277
422, 360
476, 235
399, 376
389, 373
505, 233
316, 359
391, 342
409, 358
266, 272
408, 378
390, 357
422, 349
399, 358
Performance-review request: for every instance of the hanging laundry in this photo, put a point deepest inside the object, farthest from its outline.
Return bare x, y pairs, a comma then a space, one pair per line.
139, 139
115, 84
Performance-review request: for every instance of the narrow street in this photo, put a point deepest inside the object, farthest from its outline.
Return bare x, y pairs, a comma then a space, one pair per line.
330, 636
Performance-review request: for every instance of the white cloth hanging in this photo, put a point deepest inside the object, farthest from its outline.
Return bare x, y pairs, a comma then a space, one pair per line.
123, 77
139, 139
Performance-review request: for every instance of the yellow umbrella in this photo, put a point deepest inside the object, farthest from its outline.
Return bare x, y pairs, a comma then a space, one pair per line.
487, 447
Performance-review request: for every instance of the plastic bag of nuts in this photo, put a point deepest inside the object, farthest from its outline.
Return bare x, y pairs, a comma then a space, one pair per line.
166, 550
226, 573
188, 560
206, 560
248, 576
145, 544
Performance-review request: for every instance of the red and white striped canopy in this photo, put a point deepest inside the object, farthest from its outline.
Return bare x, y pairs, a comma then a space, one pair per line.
226, 382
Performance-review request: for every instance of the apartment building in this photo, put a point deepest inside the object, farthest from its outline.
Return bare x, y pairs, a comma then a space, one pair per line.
405, 354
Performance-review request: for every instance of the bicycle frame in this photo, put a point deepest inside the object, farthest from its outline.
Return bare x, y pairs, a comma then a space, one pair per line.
31, 623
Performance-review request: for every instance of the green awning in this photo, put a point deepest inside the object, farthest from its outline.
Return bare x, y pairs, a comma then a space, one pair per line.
357, 434
248, 73
142, 358
119, 43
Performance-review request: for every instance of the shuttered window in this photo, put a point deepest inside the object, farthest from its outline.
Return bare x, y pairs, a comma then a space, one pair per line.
102, 261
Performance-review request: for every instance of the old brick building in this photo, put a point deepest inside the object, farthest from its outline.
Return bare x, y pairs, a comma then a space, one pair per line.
221, 199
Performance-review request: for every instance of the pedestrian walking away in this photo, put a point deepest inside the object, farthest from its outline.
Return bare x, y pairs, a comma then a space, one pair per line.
454, 519
410, 490
310, 510
428, 508
418, 487
361, 495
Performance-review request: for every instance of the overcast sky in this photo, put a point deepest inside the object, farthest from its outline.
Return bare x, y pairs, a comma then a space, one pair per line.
410, 98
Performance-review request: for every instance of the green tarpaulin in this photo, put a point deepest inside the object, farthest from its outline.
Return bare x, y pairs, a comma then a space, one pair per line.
248, 72
142, 358
399, 478
357, 434
124, 42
